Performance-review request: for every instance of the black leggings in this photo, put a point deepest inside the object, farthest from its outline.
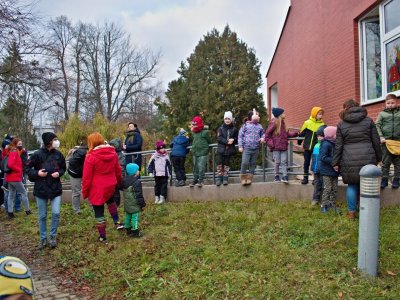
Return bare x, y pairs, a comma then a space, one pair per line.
307, 161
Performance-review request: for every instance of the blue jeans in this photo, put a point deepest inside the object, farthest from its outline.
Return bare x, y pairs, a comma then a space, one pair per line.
55, 216
249, 158
351, 197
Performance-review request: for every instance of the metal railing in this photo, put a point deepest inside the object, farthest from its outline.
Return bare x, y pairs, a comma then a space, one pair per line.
211, 163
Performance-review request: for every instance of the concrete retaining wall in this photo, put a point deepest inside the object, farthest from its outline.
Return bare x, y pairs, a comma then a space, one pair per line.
279, 191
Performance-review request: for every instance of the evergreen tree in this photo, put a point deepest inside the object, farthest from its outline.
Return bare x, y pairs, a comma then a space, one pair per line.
222, 74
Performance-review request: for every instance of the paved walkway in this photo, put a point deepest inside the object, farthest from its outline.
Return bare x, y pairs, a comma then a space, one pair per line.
49, 284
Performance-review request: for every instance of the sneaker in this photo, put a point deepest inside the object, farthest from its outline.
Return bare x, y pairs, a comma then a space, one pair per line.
177, 183
53, 242
324, 208
103, 240
156, 199
277, 178
193, 183
28, 212
182, 183
384, 183
199, 184
42, 244
4, 188
128, 231
314, 202
395, 183
162, 200
285, 179
119, 226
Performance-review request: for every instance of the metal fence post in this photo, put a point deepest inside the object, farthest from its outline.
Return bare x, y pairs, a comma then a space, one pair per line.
368, 237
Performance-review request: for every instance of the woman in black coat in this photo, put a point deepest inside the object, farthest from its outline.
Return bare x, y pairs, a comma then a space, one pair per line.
357, 145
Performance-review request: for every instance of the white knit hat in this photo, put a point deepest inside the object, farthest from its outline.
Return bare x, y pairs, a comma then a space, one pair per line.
228, 115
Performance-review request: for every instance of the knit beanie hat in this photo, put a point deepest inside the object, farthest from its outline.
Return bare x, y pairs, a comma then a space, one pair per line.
47, 137
7, 140
228, 115
182, 131
197, 124
330, 132
320, 130
160, 145
131, 169
277, 111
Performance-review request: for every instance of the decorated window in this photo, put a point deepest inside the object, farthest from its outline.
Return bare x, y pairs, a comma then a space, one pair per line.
380, 52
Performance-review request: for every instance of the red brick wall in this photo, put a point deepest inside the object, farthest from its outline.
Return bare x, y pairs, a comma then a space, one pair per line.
317, 60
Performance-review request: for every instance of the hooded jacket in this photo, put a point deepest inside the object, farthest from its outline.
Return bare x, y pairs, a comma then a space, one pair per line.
101, 174
309, 129
179, 146
76, 161
388, 124
326, 152
15, 165
52, 161
250, 134
133, 194
357, 144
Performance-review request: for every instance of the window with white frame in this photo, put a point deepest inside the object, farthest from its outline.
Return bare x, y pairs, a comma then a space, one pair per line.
380, 52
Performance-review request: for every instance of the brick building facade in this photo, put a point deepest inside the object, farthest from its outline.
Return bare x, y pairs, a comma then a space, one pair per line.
330, 51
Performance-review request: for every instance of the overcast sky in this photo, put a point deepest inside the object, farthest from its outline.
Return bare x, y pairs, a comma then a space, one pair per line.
175, 27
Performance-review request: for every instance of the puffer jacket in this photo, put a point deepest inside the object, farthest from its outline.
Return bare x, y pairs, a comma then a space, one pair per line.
388, 124
133, 194
160, 165
309, 129
117, 144
179, 146
52, 161
278, 142
326, 151
357, 144
226, 132
15, 165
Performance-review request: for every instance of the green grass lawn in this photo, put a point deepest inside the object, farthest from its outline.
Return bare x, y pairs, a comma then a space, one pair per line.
251, 249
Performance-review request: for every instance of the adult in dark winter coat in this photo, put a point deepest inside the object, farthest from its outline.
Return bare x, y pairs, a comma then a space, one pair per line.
45, 168
357, 144
76, 158
133, 143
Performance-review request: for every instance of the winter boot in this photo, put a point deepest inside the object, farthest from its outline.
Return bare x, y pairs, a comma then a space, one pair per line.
384, 183
225, 180
395, 183
249, 178
243, 179
218, 181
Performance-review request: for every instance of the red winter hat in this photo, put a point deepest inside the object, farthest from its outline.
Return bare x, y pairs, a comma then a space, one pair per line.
197, 121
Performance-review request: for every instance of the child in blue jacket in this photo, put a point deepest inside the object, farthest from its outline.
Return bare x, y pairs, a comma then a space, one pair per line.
179, 150
318, 185
328, 173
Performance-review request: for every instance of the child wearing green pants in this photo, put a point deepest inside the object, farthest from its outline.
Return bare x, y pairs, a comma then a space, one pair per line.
133, 200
